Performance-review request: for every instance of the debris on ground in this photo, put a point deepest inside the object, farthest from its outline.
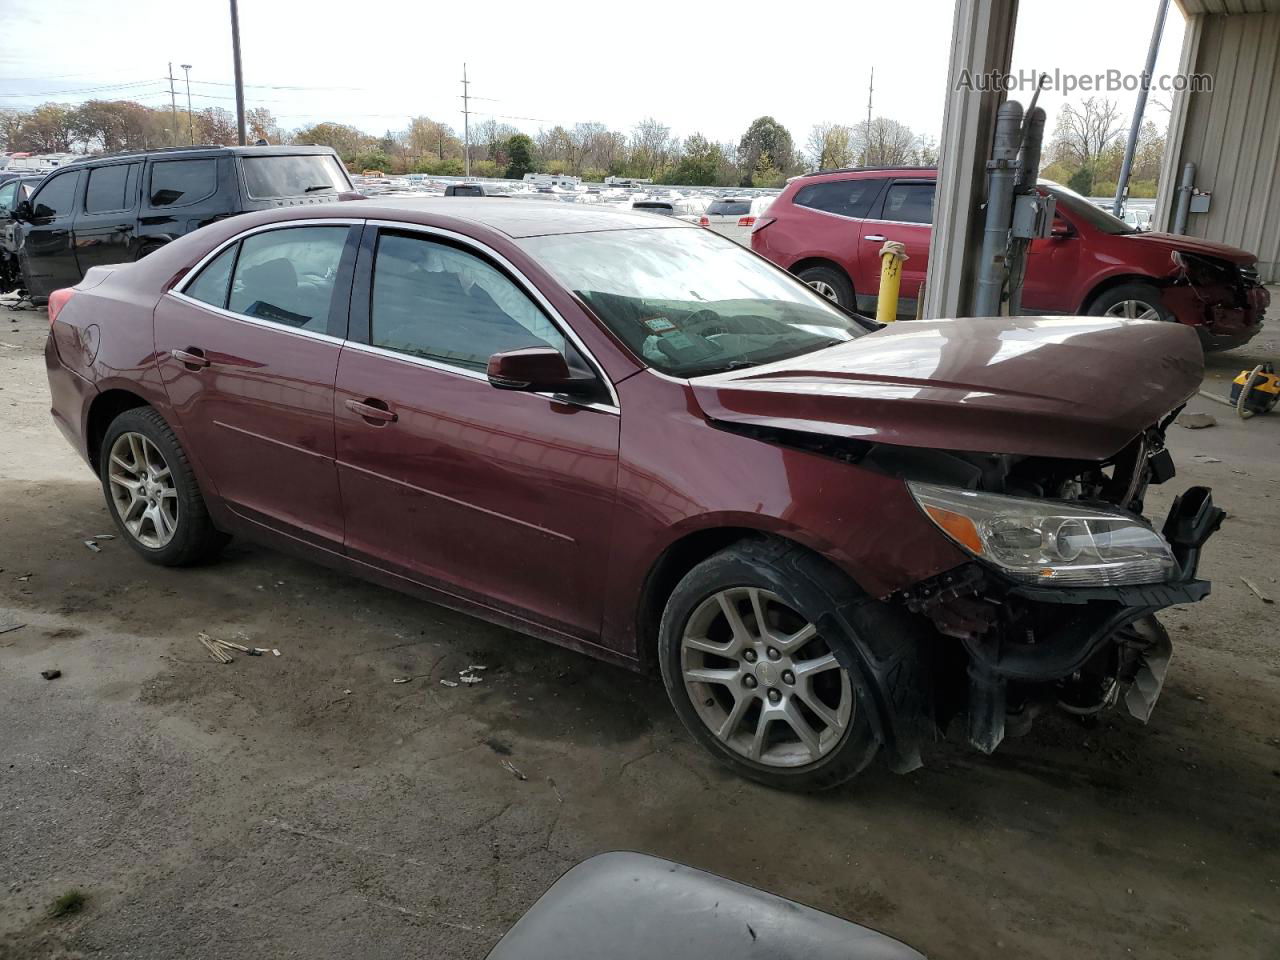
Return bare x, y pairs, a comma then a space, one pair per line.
448, 683
24, 578
500, 747
1205, 458
551, 783
1257, 591
1196, 421
105, 536
465, 677
216, 650
10, 627
92, 545
510, 767
51, 674
70, 902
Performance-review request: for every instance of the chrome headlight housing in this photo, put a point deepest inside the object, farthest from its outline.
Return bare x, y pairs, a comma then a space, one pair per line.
1048, 542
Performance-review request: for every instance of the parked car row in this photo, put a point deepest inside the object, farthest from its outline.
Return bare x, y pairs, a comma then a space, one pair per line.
121, 207
545, 418
828, 229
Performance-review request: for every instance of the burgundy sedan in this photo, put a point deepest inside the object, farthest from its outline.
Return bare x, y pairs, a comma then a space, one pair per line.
635, 438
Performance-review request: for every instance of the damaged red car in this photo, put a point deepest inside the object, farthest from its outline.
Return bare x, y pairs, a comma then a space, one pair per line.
635, 438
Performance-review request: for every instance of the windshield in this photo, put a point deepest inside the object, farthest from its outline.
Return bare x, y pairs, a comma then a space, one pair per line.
1078, 208
690, 302
269, 178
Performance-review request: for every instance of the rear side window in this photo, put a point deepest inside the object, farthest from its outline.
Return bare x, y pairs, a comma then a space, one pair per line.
432, 300
909, 203
177, 183
729, 208
848, 198
287, 276
214, 282
273, 177
111, 188
56, 196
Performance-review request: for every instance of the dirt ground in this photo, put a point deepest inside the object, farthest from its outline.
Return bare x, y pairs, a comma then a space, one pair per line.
306, 806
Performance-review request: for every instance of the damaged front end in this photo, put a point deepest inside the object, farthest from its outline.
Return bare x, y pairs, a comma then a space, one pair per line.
1224, 301
1057, 607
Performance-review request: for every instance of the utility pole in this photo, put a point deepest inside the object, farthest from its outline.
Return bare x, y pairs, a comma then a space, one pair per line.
1122, 185
466, 123
191, 122
871, 89
235, 57
173, 105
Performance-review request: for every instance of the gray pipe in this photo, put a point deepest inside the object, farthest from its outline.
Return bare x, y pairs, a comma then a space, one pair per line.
1001, 178
1028, 178
1185, 189
1122, 185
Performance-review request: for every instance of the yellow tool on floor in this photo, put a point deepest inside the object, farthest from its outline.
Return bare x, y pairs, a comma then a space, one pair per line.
1255, 391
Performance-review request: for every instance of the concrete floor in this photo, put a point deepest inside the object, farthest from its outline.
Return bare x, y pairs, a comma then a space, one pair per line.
261, 810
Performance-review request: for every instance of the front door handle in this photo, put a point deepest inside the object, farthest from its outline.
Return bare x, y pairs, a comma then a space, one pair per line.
192, 357
878, 238
373, 411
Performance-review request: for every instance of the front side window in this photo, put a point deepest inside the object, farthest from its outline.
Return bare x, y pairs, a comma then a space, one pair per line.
177, 183
847, 198
690, 302
435, 301
55, 197
287, 276
909, 203
273, 177
8, 195
110, 188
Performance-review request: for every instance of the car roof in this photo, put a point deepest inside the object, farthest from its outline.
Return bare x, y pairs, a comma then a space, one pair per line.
845, 171
202, 150
515, 218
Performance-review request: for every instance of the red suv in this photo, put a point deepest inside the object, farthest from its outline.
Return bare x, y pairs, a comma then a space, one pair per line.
827, 228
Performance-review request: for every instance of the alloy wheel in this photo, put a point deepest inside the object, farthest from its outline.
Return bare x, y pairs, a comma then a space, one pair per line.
1133, 310
824, 288
763, 680
143, 490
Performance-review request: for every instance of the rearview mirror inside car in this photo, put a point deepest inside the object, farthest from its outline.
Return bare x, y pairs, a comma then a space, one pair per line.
535, 370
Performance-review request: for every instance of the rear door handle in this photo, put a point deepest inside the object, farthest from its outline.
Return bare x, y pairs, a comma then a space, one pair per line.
373, 411
878, 238
193, 357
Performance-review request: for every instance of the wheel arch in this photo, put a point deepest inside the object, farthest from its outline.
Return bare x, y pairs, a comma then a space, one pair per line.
106, 407
1113, 281
804, 263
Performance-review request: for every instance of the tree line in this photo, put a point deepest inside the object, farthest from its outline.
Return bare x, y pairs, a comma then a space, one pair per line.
1084, 152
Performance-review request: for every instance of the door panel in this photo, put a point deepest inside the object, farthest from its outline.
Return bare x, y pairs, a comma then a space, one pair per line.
254, 393
904, 215
502, 497
105, 229
1050, 285
48, 251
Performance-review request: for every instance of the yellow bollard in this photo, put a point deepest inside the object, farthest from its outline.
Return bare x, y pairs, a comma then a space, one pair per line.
892, 256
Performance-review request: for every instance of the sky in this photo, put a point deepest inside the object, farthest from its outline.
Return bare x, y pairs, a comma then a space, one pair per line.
697, 67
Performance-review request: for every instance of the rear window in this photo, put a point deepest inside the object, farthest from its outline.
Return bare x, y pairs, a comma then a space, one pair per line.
729, 208
909, 203
177, 183
847, 198
269, 178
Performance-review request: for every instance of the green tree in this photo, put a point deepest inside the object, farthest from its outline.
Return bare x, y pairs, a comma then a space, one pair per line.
373, 160
699, 164
766, 137
519, 151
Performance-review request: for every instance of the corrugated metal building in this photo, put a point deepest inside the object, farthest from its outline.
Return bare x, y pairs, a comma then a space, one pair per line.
1231, 133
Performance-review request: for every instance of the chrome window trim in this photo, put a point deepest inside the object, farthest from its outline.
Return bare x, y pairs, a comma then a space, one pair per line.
255, 321
527, 287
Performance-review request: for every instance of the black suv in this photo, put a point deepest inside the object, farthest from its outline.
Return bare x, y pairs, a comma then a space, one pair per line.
117, 208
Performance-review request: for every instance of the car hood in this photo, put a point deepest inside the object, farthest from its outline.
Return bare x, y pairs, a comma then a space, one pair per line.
1070, 387
1208, 248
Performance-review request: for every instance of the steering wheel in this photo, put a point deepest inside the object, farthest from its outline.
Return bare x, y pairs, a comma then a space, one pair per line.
703, 317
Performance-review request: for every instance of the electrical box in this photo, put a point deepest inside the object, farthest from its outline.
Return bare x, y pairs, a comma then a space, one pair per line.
1200, 202
1033, 216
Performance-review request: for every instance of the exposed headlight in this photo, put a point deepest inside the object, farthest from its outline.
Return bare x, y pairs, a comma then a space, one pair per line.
1049, 542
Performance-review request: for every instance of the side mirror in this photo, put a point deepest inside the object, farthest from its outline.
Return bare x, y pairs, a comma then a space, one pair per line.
534, 370
22, 211
1062, 229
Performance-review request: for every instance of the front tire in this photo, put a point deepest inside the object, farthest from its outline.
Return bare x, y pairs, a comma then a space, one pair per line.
152, 493
1132, 301
754, 679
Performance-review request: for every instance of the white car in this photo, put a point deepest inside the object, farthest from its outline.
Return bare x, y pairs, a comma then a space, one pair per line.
734, 217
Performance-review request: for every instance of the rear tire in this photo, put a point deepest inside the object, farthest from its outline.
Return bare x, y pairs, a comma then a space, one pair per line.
152, 493
786, 706
1131, 301
831, 283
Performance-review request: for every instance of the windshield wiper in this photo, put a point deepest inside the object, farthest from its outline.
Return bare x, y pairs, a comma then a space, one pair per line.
722, 368
318, 186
